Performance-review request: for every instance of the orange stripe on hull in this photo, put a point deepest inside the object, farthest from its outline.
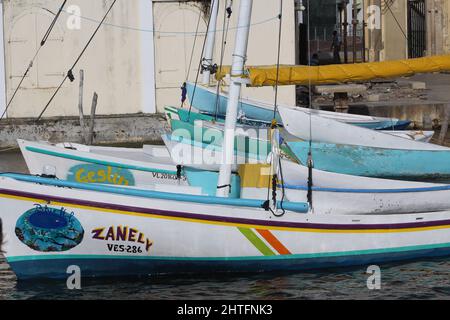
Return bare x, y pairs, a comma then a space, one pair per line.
274, 242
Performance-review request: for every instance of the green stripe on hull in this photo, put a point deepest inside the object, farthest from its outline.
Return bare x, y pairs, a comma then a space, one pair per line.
257, 242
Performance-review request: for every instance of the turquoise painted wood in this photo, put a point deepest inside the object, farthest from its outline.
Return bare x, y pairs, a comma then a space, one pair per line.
208, 181
205, 101
375, 162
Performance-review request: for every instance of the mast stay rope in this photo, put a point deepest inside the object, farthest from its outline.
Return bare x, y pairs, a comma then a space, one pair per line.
30, 65
69, 74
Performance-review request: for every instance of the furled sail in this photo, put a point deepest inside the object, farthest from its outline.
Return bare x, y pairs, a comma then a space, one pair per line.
342, 73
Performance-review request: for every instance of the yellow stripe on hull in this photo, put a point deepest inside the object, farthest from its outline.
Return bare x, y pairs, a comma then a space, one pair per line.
221, 223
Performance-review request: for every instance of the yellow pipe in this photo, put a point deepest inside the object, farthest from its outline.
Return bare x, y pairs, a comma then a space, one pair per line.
342, 73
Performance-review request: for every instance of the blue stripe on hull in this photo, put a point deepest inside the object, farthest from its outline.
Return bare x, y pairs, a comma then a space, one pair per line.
129, 267
375, 162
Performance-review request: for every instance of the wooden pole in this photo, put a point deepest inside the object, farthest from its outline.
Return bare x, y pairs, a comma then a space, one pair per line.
444, 126
92, 123
80, 107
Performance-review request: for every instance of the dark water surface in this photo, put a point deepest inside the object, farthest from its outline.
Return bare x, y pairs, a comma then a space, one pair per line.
413, 280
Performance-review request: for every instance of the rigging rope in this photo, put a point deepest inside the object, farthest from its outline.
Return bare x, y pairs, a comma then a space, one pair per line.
226, 20
310, 163
164, 32
396, 20
274, 181
43, 41
198, 69
70, 72
280, 17
193, 46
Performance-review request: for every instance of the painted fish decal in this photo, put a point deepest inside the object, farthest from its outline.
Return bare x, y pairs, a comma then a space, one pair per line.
48, 229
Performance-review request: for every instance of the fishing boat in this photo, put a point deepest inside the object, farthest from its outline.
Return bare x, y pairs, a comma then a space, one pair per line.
92, 164
150, 167
340, 148
206, 100
332, 193
192, 117
151, 164
339, 194
109, 230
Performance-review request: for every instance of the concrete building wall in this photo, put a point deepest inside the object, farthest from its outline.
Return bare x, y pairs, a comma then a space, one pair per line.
394, 25
138, 59
177, 24
2, 66
113, 63
446, 31
394, 44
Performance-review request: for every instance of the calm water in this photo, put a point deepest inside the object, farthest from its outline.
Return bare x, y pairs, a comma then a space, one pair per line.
413, 280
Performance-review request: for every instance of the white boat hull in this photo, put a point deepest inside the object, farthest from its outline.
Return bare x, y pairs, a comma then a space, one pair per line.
122, 235
117, 166
340, 194
310, 126
332, 193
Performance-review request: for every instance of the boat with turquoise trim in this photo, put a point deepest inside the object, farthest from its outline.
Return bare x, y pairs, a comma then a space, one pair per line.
375, 162
341, 148
206, 100
111, 230
150, 167
192, 117
332, 193
107, 165
125, 233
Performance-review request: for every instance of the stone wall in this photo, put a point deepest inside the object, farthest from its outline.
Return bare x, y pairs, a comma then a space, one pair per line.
119, 129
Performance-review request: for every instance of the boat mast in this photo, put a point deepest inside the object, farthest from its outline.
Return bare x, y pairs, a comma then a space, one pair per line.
210, 41
237, 80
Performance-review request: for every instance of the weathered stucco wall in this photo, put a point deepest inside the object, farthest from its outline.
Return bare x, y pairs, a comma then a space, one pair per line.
395, 44
127, 64
177, 24
112, 63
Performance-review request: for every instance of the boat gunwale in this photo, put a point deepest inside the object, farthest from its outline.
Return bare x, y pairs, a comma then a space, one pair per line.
298, 207
356, 227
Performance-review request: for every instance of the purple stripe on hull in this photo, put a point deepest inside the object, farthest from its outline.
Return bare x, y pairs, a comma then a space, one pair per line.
203, 217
